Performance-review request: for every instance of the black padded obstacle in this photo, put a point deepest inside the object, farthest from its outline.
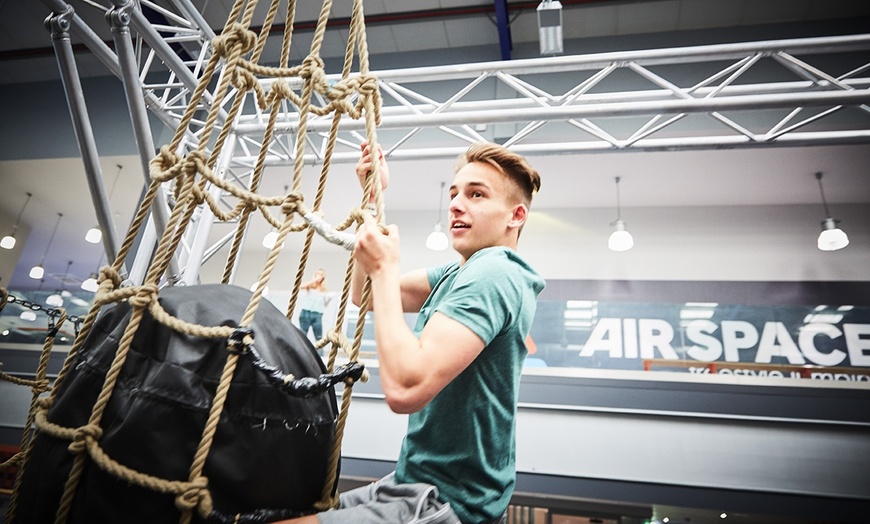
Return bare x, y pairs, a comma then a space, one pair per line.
270, 453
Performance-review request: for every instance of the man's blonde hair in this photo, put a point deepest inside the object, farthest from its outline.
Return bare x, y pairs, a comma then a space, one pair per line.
525, 178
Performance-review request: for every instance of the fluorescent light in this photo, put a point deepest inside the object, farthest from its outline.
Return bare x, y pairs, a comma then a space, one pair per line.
580, 304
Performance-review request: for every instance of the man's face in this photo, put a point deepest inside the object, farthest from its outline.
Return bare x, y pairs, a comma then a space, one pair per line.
479, 213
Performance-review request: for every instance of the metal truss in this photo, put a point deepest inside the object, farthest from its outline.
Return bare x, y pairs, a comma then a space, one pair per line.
758, 94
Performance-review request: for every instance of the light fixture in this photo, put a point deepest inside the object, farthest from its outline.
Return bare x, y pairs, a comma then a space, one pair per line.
91, 284
437, 239
265, 289
8, 242
620, 239
270, 239
832, 237
56, 299
550, 26
94, 235
37, 271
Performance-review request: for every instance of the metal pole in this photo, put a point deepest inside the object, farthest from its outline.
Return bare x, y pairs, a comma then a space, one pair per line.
120, 22
206, 219
617, 109
59, 25
602, 146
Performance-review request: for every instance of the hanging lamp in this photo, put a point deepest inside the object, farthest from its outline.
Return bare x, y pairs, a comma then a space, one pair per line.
620, 239
37, 271
832, 237
8, 242
437, 239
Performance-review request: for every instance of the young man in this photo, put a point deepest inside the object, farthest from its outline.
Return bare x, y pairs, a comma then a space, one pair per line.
457, 373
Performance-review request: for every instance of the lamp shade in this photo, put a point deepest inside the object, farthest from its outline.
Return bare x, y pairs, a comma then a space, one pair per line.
94, 235
91, 284
437, 239
832, 237
8, 242
270, 239
55, 300
620, 239
37, 272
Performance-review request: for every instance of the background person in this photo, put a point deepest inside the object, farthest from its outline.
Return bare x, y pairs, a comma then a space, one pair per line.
313, 304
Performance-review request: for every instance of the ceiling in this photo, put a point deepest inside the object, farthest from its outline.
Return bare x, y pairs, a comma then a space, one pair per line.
401, 34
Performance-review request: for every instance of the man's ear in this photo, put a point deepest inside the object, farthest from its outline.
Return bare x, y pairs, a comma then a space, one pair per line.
519, 216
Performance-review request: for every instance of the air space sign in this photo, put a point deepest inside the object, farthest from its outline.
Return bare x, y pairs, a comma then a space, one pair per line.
825, 336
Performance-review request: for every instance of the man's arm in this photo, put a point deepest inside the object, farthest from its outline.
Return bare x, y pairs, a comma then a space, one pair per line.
412, 370
415, 284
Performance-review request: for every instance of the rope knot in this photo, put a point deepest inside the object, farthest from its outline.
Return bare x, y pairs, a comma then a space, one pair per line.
292, 202
82, 435
109, 280
368, 85
237, 37
280, 90
144, 295
164, 166
312, 68
195, 495
196, 163
243, 80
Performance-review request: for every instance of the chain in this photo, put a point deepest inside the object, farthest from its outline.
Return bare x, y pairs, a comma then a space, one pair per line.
53, 313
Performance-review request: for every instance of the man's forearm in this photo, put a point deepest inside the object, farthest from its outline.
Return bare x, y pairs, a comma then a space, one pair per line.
357, 281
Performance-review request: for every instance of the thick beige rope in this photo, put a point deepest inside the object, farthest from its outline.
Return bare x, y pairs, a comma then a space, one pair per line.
190, 176
38, 386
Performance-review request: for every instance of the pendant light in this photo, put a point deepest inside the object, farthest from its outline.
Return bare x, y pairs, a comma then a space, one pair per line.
37, 271
620, 239
56, 299
272, 236
832, 237
95, 234
91, 283
8, 242
437, 239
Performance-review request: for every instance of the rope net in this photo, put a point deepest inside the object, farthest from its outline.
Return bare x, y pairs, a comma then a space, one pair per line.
190, 174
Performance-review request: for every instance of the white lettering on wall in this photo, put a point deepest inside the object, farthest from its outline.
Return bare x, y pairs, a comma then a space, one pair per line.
736, 335
858, 343
807, 343
606, 336
775, 341
653, 334
707, 348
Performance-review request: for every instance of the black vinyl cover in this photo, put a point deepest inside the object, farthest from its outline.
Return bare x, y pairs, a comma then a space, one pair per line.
270, 451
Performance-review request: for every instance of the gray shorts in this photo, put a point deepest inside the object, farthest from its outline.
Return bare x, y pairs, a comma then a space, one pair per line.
385, 501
